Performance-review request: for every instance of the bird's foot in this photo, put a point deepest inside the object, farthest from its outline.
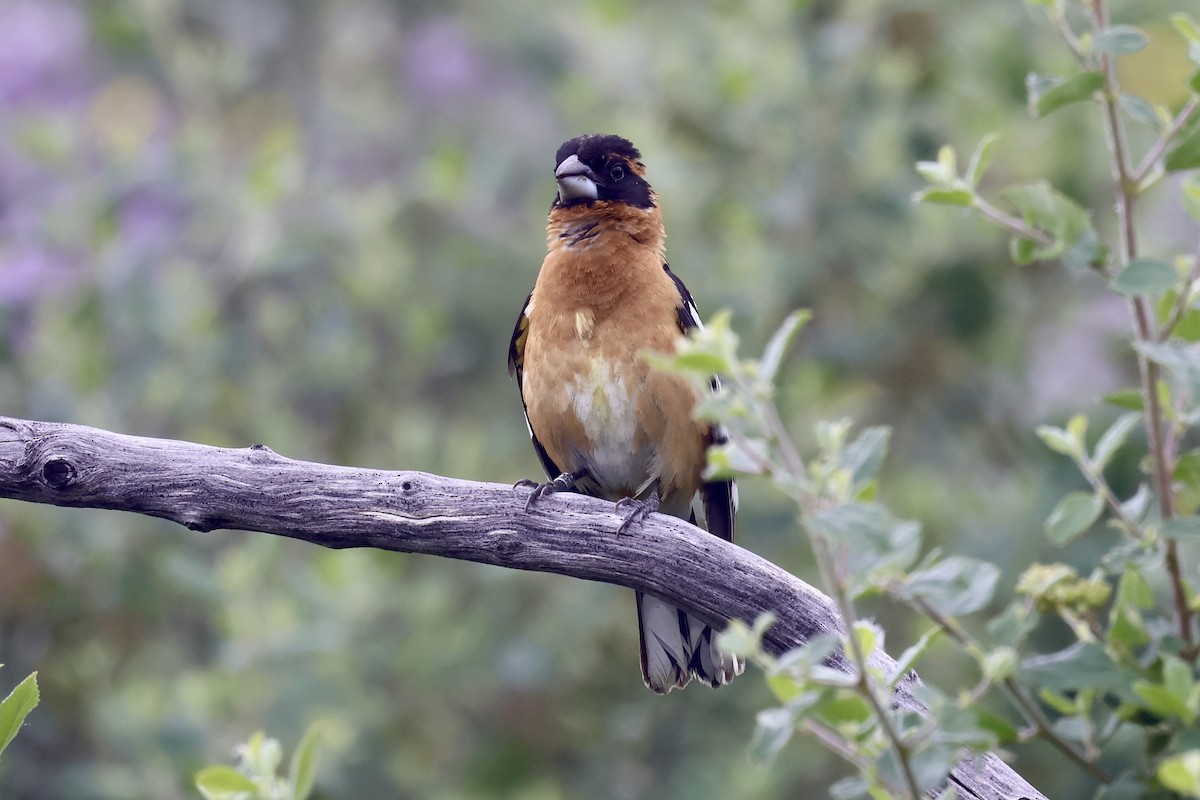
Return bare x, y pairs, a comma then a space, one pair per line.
636, 511
562, 483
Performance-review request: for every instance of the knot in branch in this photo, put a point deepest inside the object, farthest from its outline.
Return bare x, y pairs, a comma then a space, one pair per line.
58, 472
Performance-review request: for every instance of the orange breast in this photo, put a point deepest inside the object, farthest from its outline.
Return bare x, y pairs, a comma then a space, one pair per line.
592, 400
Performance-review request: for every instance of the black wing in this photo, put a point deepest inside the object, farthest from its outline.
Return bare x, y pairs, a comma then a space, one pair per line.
516, 362
720, 497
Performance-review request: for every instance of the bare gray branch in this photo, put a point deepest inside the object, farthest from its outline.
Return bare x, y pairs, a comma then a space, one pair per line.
255, 489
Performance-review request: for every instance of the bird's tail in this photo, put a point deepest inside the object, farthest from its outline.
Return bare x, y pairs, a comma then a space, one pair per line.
677, 647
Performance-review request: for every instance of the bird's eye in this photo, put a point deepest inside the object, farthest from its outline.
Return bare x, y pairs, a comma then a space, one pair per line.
616, 172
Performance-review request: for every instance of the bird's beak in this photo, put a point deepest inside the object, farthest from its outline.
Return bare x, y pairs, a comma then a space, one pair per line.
575, 180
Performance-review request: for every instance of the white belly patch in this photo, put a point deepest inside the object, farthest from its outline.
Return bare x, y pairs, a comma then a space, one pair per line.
605, 405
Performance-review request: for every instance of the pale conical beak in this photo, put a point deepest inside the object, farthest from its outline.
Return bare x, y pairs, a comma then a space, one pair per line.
575, 180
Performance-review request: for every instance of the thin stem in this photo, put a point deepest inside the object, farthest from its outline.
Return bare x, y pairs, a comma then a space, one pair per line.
787, 447
1025, 704
864, 686
1045, 727
1126, 195
837, 744
1159, 147
1068, 36
1096, 479
1012, 224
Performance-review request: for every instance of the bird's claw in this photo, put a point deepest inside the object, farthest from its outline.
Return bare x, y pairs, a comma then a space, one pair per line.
560, 484
638, 511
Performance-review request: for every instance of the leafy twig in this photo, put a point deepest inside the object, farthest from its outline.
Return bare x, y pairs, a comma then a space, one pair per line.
1017, 693
865, 687
1012, 224
1096, 479
1183, 300
1126, 196
1159, 147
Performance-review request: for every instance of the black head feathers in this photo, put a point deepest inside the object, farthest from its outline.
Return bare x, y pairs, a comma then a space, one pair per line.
601, 167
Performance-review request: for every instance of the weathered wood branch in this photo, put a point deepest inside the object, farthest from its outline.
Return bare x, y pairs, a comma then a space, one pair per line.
255, 489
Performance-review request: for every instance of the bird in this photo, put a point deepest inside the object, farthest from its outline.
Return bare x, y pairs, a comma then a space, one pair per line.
603, 421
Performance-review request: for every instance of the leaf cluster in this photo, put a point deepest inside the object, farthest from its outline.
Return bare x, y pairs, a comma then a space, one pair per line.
1130, 672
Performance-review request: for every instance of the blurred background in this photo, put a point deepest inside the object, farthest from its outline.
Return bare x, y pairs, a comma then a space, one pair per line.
312, 223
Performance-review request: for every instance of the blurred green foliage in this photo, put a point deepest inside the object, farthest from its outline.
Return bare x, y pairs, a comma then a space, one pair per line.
311, 224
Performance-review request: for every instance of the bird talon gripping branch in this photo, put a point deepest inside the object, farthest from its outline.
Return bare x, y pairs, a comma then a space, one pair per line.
598, 414
563, 483
636, 511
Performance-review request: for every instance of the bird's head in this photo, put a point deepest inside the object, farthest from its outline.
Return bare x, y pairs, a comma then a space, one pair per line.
601, 168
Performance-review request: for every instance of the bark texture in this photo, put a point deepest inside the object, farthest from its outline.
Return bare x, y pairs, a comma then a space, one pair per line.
255, 489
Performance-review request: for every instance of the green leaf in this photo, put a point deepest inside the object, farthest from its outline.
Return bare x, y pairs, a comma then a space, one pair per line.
1139, 110
841, 708
16, 707
1181, 528
930, 765
1181, 772
934, 172
869, 537
1186, 27
1059, 216
1119, 40
1022, 251
1077, 427
743, 639
945, 196
1185, 155
1073, 515
779, 344
1177, 677
852, 788
1126, 398
702, 362
727, 460
1157, 698
1060, 703
1145, 276
1114, 438
944, 171
1060, 441
801, 662
864, 455
1191, 194
1080, 666
954, 586
1180, 359
948, 159
1080, 87
1010, 627
1132, 590
909, 658
1000, 664
868, 636
302, 769
773, 730
1126, 628
981, 158
1004, 731
220, 782
1187, 476
1086, 251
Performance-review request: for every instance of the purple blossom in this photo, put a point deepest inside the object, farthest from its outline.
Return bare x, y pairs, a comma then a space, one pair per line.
29, 271
150, 220
43, 47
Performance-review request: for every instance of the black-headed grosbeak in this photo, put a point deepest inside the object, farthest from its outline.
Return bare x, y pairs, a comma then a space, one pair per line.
603, 422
